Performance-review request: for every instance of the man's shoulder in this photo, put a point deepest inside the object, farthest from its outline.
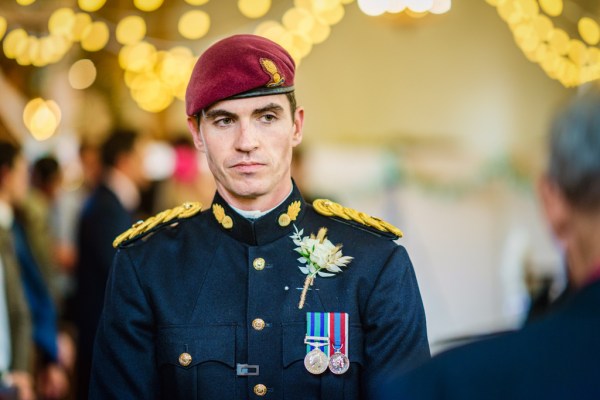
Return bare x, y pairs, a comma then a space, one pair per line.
164, 219
357, 222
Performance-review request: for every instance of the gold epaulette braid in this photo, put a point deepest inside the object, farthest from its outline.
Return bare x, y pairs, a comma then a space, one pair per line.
332, 209
139, 228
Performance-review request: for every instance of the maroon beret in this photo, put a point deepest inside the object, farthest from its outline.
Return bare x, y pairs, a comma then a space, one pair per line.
237, 67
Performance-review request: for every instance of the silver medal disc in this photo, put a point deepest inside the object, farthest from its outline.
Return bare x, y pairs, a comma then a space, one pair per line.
316, 361
339, 363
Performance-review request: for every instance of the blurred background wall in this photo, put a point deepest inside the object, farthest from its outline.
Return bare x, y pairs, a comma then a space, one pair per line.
434, 122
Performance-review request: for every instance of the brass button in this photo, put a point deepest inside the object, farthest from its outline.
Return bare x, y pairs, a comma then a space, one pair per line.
227, 222
284, 220
258, 324
260, 390
185, 359
259, 264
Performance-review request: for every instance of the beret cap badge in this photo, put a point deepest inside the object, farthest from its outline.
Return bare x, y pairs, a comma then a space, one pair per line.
277, 79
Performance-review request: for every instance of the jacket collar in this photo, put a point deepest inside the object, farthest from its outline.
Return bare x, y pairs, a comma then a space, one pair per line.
266, 229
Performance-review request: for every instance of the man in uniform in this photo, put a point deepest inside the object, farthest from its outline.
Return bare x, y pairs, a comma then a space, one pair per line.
255, 297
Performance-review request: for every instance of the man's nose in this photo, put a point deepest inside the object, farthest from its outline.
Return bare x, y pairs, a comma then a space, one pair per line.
247, 139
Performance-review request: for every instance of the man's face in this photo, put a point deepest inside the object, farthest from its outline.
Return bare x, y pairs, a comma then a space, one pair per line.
18, 181
248, 145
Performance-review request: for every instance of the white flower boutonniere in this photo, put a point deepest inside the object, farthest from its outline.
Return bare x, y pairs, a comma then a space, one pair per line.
320, 257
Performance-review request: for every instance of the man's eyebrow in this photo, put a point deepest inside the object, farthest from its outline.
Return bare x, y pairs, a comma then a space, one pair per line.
212, 114
269, 107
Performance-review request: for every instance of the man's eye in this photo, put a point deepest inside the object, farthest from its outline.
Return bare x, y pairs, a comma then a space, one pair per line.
224, 121
268, 117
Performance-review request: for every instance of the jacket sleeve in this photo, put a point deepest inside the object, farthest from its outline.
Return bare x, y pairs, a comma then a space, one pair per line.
124, 361
395, 331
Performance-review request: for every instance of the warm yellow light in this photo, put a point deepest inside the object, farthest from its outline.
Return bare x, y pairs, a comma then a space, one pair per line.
41, 118
319, 33
95, 36
14, 42
61, 22
196, 2
331, 16
138, 57
559, 41
298, 20
56, 47
419, 6
80, 23
577, 52
264, 27
23, 52
543, 26
91, 5
147, 5
254, 8
3, 25
25, 2
526, 37
131, 30
194, 24
82, 74
588, 30
396, 6
552, 7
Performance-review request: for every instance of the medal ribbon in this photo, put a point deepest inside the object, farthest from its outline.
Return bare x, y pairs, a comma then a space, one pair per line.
317, 324
338, 333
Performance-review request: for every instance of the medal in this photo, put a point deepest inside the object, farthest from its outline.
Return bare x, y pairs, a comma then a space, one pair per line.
316, 362
339, 363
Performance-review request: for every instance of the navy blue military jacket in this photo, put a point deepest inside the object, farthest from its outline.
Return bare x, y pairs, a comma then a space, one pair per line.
189, 302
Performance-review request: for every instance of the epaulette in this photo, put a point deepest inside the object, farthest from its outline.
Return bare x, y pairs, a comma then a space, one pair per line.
332, 209
141, 228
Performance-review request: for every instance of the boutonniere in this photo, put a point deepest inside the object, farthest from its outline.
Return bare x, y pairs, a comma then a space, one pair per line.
319, 256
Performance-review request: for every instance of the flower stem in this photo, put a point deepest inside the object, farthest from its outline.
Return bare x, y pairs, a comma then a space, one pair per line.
307, 282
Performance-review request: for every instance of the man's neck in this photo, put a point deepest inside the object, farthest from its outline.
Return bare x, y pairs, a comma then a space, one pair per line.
584, 249
261, 204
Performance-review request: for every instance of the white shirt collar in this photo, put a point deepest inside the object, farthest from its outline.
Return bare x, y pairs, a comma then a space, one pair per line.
124, 188
7, 215
256, 214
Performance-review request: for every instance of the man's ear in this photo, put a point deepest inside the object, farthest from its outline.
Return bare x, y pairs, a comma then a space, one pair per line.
298, 126
194, 127
557, 208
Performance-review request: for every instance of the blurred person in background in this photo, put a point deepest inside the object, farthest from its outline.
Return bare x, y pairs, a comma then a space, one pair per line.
188, 181
15, 319
110, 209
556, 356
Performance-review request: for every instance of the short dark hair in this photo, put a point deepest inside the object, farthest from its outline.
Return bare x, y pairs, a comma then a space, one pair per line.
8, 153
574, 161
44, 171
120, 141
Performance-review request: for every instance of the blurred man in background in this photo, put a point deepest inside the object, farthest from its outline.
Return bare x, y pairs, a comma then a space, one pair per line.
557, 356
107, 212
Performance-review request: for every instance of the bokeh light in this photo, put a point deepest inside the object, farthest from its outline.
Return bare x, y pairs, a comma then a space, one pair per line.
41, 117
254, 8
91, 5
194, 24
95, 36
82, 74
554, 8
147, 5
588, 30
131, 30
